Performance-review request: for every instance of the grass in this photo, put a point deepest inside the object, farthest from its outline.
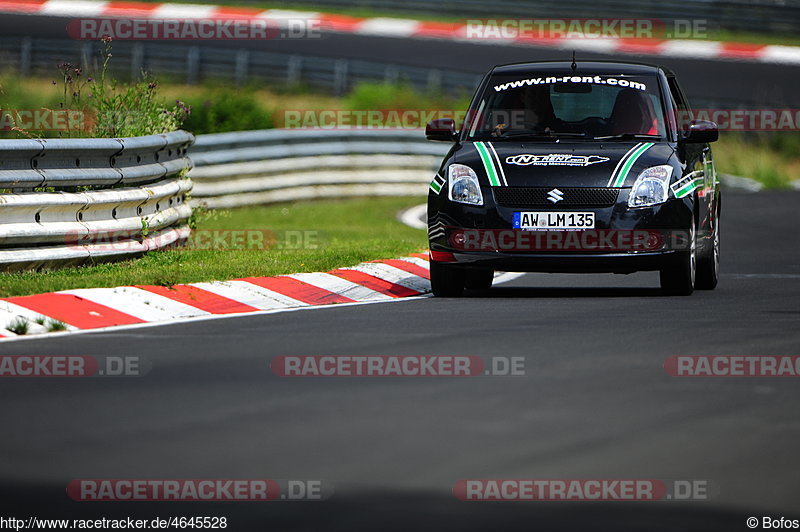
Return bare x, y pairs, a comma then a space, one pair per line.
346, 232
767, 159
753, 38
56, 326
19, 326
216, 107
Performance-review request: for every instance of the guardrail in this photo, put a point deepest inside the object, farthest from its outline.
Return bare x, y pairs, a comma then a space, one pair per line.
277, 165
137, 202
193, 64
69, 201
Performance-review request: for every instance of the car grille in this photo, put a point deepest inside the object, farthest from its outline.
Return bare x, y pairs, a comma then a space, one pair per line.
527, 196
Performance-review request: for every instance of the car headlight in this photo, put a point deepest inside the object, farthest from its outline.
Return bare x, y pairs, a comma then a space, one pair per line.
463, 186
651, 187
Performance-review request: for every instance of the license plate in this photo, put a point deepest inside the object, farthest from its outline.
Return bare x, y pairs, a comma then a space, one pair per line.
545, 221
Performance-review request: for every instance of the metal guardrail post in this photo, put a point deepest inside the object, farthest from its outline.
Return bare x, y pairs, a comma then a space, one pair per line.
193, 65
391, 74
294, 70
25, 51
340, 77
86, 54
242, 64
434, 80
137, 61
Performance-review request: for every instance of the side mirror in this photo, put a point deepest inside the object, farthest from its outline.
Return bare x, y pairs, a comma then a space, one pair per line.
701, 131
443, 129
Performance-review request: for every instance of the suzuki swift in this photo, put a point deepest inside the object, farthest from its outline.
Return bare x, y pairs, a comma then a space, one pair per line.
575, 167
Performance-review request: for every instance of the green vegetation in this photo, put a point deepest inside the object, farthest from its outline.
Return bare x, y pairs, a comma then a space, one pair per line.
55, 326
401, 96
98, 105
219, 108
228, 109
19, 326
214, 107
772, 159
299, 237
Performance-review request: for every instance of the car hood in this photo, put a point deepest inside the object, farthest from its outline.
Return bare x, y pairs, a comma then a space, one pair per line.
566, 164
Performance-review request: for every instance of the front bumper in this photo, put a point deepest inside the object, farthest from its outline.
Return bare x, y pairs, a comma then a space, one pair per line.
624, 240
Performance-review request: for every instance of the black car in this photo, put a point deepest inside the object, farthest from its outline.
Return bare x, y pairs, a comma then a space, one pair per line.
583, 166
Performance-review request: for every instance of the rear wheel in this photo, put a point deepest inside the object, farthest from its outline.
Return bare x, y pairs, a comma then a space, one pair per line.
678, 279
447, 281
478, 279
708, 264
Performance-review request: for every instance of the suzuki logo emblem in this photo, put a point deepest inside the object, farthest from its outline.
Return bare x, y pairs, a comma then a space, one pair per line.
555, 195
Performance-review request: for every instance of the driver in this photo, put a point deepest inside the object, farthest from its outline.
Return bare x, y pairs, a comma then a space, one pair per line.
530, 109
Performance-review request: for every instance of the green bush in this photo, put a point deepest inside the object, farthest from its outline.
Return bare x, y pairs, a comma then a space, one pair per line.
383, 96
227, 109
402, 96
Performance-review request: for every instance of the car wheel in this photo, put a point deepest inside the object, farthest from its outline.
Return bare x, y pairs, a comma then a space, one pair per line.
679, 278
478, 279
708, 264
446, 281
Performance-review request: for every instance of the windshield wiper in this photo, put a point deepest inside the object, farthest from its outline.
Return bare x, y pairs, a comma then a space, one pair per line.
626, 136
549, 135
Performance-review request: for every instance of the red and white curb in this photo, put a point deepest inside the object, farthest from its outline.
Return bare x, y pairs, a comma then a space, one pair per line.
407, 28
99, 308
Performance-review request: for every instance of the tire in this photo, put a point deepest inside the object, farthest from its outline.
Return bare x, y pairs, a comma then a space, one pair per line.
446, 281
708, 264
679, 278
478, 279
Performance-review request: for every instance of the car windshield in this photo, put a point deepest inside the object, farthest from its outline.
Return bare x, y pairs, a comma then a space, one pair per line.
544, 107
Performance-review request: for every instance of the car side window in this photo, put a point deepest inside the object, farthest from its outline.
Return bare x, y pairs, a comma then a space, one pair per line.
684, 111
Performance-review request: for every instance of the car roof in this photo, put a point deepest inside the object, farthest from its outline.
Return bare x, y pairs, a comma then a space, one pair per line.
595, 67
